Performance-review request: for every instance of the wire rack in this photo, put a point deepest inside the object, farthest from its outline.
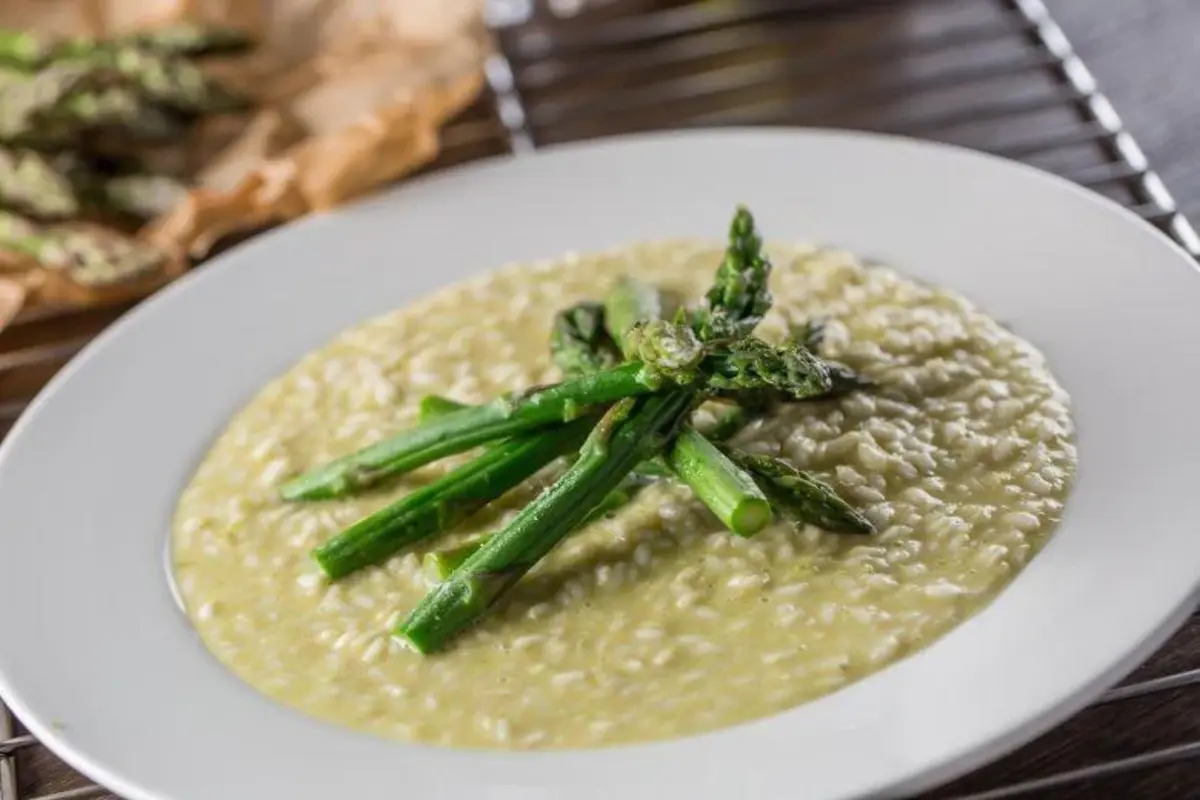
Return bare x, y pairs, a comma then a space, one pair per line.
996, 75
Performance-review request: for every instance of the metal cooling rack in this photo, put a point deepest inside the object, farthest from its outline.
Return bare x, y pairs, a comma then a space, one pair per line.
996, 75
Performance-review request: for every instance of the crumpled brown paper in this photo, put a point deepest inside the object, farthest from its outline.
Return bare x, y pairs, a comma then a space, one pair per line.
12, 300
350, 94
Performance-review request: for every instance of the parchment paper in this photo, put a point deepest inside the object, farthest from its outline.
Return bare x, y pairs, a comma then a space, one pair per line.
350, 95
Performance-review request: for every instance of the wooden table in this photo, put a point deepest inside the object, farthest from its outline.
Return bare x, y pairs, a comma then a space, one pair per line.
857, 63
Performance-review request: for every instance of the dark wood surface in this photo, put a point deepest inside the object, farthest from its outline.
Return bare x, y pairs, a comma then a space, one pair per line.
1142, 53
1146, 57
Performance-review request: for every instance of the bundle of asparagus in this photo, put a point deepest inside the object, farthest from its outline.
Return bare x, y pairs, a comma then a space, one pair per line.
63, 103
623, 415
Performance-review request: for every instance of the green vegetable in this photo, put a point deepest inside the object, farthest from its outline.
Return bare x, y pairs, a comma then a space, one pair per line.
745, 364
579, 343
632, 431
29, 51
720, 484
802, 496
89, 257
31, 183
444, 503
629, 302
438, 565
461, 430
171, 82
740, 296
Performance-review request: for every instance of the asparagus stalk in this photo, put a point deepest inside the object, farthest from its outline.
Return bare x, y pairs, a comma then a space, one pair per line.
721, 484
739, 297
30, 182
438, 565
183, 39
90, 257
461, 430
30, 51
24, 49
743, 365
172, 82
633, 310
632, 431
802, 496
446, 502
629, 302
143, 196
579, 343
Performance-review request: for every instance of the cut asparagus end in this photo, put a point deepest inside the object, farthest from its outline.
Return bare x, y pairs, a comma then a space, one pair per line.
727, 489
749, 516
458, 604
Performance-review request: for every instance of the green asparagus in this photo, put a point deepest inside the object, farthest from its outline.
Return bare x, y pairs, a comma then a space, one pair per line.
29, 51
440, 564
143, 196
743, 365
628, 303
24, 49
89, 257
183, 39
740, 297
461, 430
720, 484
31, 183
802, 496
172, 82
579, 343
634, 310
632, 431
446, 502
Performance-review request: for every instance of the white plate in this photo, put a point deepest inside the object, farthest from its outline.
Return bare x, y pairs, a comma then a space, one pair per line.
103, 667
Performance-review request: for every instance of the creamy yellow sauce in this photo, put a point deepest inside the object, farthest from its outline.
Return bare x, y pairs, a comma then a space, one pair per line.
655, 623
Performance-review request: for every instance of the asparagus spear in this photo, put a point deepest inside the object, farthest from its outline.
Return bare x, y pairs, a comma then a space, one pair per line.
446, 502
579, 343
172, 82
632, 431
629, 302
143, 196
634, 310
30, 51
438, 565
720, 483
184, 39
31, 183
14, 229
91, 258
461, 430
740, 297
744, 365
24, 49
801, 495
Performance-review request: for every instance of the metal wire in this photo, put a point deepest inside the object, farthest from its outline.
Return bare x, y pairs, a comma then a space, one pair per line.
8, 766
684, 60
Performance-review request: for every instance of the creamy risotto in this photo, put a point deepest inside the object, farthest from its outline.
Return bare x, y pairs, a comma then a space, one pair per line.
655, 623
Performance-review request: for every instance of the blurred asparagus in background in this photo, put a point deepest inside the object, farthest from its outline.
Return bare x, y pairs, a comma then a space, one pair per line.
29, 50
61, 100
34, 184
